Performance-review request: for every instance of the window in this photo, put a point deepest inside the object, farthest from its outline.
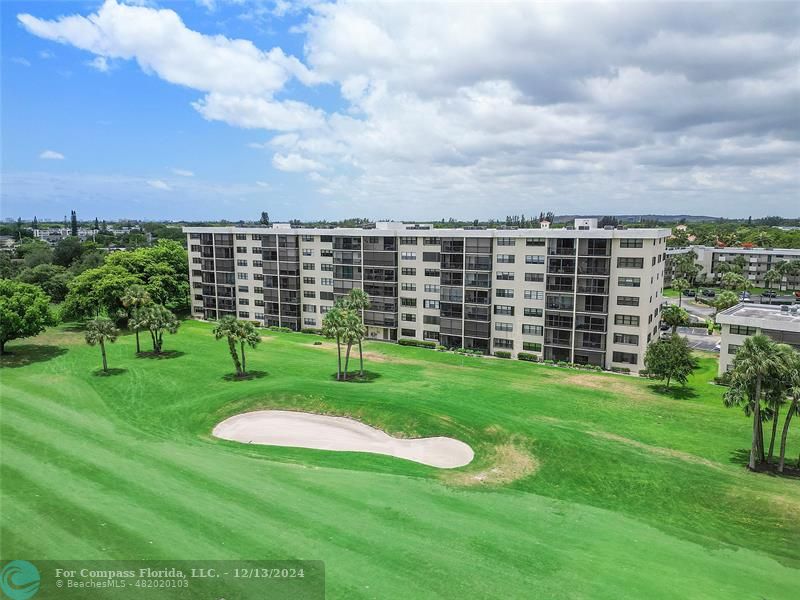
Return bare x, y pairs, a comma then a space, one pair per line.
629, 281
309, 280
502, 293
308, 252
626, 262
256, 250
624, 357
534, 242
310, 322
241, 249
534, 259
326, 267
504, 309
408, 255
408, 287
533, 312
258, 276
326, 252
430, 304
430, 335
505, 258
430, 287
532, 330
244, 288
732, 348
626, 338
408, 301
309, 294
408, 332
244, 301
243, 314
505, 241
432, 273
256, 237
241, 275
308, 266
431, 257
326, 281
742, 330
500, 343
626, 320
631, 243
326, 295
408, 241
536, 277
408, 271
500, 326
312, 308
535, 346
505, 276
431, 241
258, 290
258, 302
534, 295
627, 301
408, 317
241, 236
258, 263
430, 319
241, 263
307, 238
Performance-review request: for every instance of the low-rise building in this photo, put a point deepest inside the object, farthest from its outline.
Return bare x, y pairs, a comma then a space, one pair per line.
580, 294
780, 323
758, 261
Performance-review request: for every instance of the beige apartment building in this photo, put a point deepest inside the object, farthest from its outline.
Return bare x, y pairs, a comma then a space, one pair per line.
758, 262
580, 294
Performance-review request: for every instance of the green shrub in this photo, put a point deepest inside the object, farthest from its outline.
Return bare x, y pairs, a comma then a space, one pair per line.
310, 330
318, 343
620, 369
440, 348
549, 362
502, 354
418, 343
276, 328
527, 356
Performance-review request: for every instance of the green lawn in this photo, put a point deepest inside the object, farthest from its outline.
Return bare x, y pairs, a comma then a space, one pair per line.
595, 485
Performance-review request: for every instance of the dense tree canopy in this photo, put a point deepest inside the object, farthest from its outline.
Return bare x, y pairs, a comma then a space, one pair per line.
24, 311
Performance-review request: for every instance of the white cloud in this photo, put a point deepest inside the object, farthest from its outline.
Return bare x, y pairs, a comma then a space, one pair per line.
45, 54
21, 61
100, 63
51, 155
263, 184
159, 184
183, 172
295, 163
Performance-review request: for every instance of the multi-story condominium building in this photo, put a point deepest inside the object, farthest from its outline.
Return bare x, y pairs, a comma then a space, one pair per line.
758, 262
780, 323
580, 294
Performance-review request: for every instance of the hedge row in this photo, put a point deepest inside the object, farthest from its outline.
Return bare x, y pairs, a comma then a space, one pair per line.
418, 343
527, 356
502, 354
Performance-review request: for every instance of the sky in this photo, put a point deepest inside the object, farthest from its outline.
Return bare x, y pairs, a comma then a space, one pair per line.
221, 109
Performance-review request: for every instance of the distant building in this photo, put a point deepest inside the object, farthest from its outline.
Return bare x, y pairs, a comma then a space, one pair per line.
759, 262
579, 294
780, 323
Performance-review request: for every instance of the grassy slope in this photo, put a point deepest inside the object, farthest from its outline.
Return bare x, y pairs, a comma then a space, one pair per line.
637, 494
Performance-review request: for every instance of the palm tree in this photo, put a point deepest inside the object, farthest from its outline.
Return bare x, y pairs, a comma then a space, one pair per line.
755, 361
735, 281
723, 301
156, 319
681, 285
226, 328
247, 335
358, 301
333, 326
100, 331
353, 332
792, 373
136, 296
675, 317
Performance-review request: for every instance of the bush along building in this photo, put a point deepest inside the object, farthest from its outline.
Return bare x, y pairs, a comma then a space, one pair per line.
581, 294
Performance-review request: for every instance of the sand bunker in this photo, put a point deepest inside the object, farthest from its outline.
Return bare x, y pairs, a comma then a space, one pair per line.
306, 430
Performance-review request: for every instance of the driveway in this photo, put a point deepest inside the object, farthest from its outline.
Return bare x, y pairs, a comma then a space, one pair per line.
700, 311
698, 339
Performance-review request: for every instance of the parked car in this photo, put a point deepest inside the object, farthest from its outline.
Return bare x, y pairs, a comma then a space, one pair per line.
718, 347
769, 294
664, 326
690, 293
665, 335
744, 296
709, 293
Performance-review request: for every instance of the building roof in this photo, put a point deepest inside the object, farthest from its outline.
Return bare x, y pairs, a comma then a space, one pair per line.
763, 316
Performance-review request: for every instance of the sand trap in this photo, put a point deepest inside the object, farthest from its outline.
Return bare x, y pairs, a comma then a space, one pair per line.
306, 430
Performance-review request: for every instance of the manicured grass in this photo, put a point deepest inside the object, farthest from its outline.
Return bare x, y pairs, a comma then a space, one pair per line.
599, 486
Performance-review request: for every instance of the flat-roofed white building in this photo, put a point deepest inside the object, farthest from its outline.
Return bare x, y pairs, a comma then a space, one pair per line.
780, 323
579, 294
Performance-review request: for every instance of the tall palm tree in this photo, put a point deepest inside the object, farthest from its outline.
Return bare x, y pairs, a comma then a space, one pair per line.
333, 326
100, 331
136, 296
675, 317
156, 319
226, 327
247, 335
680, 285
792, 373
352, 333
755, 361
358, 301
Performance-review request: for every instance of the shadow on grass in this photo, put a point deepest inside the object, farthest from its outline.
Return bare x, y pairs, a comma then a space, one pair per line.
167, 354
74, 327
246, 377
678, 392
369, 377
109, 373
741, 457
22, 356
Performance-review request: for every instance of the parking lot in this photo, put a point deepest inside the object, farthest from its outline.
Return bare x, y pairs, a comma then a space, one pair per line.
698, 338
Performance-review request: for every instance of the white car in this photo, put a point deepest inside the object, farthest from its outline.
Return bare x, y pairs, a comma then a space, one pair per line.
718, 347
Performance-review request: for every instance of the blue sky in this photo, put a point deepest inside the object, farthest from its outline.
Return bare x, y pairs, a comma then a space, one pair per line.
224, 108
